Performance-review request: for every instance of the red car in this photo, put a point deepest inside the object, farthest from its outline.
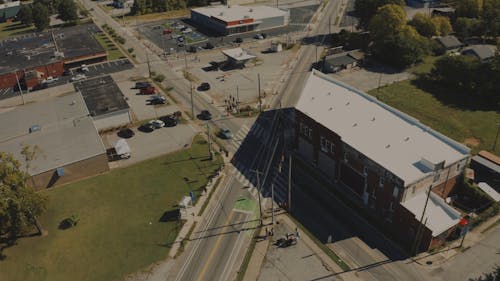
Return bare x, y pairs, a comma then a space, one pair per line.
148, 91
167, 31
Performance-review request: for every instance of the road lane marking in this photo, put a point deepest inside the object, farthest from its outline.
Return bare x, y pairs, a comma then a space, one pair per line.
215, 248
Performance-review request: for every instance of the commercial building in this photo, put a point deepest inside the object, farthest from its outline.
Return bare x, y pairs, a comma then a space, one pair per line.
31, 58
70, 147
233, 19
381, 156
9, 10
105, 102
237, 57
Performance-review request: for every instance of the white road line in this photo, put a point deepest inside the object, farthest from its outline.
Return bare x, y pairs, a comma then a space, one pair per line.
234, 252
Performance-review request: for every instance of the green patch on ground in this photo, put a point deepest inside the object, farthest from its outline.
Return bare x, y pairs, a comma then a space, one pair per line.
245, 205
113, 51
119, 229
425, 66
476, 128
14, 28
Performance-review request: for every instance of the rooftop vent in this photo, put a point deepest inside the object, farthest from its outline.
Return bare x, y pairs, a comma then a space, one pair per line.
348, 103
312, 98
407, 138
373, 119
35, 128
331, 108
387, 146
250, 10
355, 124
73, 102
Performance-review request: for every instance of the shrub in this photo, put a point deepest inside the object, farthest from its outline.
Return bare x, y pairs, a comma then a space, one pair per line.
69, 222
159, 78
130, 50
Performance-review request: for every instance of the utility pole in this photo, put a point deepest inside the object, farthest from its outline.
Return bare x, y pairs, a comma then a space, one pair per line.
185, 60
330, 25
149, 66
210, 152
19, 87
258, 173
192, 105
419, 233
237, 99
260, 98
290, 185
494, 143
272, 204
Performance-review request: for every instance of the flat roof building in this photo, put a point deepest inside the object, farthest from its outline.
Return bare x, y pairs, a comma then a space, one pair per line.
381, 155
237, 56
233, 19
70, 147
105, 102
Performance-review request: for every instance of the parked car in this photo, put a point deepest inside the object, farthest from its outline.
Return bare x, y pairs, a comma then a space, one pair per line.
170, 120
67, 72
157, 123
157, 99
156, 27
178, 26
167, 31
192, 49
147, 127
126, 133
238, 40
78, 77
50, 79
208, 46
180, 39
142, 85
204, 87
258, 36
84, 68
205, 115
187, 30
225, 133
148, 90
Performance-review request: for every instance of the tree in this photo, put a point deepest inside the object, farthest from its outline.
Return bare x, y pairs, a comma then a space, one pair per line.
20, 205
456, 72
443, 25
466, 27
366, 9
491, 17
468, 8
40, 16
424, 25
390, 19
68, 11
25, 15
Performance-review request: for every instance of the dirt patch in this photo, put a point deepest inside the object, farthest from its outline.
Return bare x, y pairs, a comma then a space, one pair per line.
472, 142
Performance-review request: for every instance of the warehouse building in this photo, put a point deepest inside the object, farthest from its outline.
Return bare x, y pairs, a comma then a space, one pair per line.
105, 102
31, 58
9, 10
381, 156
234, 19
70, 147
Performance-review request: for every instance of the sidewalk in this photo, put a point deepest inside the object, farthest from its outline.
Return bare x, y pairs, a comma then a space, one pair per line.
442, 256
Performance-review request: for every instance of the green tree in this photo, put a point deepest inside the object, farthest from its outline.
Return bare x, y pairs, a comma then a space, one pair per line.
51, 5
456, 72
25, 15
424, 24
68, 11
366, 9
20, 205
468, 8
40, 16
390, 19
491, 17
466, 27
443, 25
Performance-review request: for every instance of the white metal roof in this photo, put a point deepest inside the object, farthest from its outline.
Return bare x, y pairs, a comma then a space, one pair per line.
387, 136
238, 54
489, 190
236, 12
438, 216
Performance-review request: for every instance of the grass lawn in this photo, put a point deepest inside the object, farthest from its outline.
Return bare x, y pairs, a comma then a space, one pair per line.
474, 127
14, 28
119, 231
113, 51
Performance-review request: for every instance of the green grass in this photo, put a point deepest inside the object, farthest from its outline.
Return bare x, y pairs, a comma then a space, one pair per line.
425, 66
14, 28
113, 51
119, 230
465, 126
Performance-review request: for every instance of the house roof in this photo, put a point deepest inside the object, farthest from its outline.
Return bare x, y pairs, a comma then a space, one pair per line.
489, 190
438, 216
339, 59
449, 42
482, 52
10, 9
387, 136
231, 13
67, 134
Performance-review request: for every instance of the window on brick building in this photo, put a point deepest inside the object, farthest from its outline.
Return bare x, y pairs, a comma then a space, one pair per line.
395, 193
381, 181
365, 170
325, 144
345, 156
332, 147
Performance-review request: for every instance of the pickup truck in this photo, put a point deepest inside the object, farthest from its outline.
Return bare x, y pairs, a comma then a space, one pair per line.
50, 79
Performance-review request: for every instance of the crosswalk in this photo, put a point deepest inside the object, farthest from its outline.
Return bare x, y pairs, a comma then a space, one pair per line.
257, 131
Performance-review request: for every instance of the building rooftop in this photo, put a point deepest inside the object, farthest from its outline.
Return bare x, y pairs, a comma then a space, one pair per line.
101, 95
449, 42
438, 216
9, 9
236, 13
482, 52
394, 140
238, 54
36, 49
340, 59
67, 134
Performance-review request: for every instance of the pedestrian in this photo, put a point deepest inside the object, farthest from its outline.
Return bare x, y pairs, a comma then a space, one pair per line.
297, 233
267, 233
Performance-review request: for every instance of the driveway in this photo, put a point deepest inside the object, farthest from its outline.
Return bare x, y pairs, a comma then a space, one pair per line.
368, 79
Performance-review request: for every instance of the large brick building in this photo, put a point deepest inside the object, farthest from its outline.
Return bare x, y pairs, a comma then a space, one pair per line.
383, 157
31, 58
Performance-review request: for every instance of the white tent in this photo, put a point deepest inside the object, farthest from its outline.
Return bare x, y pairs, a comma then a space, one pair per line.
122, 148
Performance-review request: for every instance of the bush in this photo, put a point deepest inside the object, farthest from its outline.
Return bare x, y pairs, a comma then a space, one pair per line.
159, 78
69, 222
130, 50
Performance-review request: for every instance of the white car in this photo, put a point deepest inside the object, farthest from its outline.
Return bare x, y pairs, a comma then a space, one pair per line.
50, 79
84, 68
78, 77
157, 123
187, 30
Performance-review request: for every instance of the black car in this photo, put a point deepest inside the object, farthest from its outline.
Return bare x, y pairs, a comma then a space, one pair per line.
142, 85
67, 72
204, 87
192, 49
157, 100
170, 120
205, 115
126, 133
208, 46
238, 40
147, 127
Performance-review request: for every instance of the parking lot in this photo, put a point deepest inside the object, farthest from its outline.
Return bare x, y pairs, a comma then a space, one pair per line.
94, 70
299, 18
